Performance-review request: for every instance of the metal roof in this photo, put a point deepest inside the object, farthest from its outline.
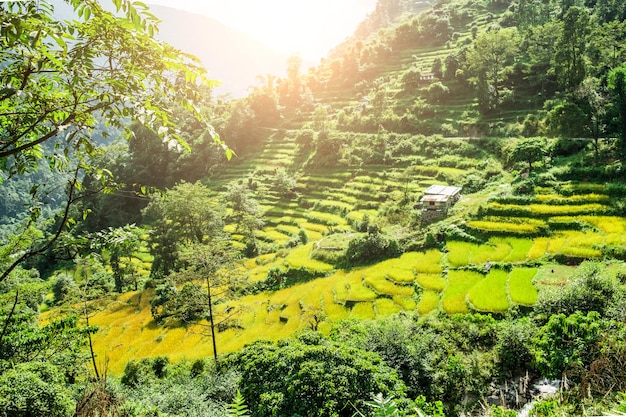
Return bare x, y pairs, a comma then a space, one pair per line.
445, 190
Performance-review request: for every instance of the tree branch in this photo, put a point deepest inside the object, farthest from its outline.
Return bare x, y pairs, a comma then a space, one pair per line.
50, 134
45, 247
9, 318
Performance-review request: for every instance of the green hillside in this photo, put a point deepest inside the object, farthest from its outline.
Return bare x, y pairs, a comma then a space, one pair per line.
310, 272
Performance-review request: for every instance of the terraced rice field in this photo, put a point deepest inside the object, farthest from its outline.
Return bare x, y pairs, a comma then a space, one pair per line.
491, 276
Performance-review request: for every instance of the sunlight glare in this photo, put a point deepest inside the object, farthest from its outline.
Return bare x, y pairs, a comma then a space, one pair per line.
310, 28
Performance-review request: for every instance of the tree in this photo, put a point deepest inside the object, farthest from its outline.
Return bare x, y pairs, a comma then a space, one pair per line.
492, 58
34, 390
538, 47
617, 87
211, 264
246, 213
185, 214
120, 242
291, 87
593, 101
569, 58
318, 377
61, 77
567, 343
528, 150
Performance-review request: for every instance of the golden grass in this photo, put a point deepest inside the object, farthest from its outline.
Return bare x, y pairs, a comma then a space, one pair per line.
428, 262
431, 281
406, 303
465, 253
519, 248
492, 252
348, 286
359, 215
490, 293
502, 226
300, 257
521, 288
363, 311
274, 235
459, 252
552, 210
429, 301
581, 252
396, 270
539, 248
607, 224
454, 296
573, 199
313, 227
382, 286
384, 307
288, 229
324, 218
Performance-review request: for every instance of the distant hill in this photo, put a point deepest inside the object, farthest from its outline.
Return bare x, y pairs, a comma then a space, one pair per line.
233, 58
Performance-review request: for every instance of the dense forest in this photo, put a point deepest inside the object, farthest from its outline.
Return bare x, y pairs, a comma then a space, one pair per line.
164, 252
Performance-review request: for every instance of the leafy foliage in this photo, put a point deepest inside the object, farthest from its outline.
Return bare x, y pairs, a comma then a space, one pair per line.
34, 390
321, 377
372, 247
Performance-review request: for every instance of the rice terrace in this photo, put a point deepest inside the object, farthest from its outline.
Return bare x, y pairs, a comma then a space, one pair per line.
430, 221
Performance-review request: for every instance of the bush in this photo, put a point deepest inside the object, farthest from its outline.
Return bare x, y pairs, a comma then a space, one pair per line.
590, 289
514, 353
317, 377
34, 390
371, 248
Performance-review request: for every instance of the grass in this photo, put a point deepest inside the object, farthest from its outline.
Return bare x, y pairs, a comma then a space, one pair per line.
395, 270
433, 282
428, 262
429, 301
550, 210
454, 296
363, 311
490, 293
521, 288
300, 257
386, 307
531, 227
382, 286
406, 303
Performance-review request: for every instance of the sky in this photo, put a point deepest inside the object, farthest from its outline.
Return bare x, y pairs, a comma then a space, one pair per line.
309, 28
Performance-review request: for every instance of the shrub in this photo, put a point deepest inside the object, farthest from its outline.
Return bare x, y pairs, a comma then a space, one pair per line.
514, 354
317, 377
566, 343
591, 289
34, 390
371, 248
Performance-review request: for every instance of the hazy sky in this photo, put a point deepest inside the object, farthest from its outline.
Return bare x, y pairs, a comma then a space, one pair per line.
306, 27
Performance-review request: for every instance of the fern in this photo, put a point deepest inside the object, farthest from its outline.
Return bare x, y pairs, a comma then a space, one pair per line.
383, 407
238, 407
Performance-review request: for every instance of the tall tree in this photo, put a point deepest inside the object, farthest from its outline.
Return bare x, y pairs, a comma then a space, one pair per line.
617, 87
246, 214
528, 150
210, 280
569, 60
185, 214
492, 57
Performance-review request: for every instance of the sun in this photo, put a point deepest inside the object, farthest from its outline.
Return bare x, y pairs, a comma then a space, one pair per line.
309, 28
